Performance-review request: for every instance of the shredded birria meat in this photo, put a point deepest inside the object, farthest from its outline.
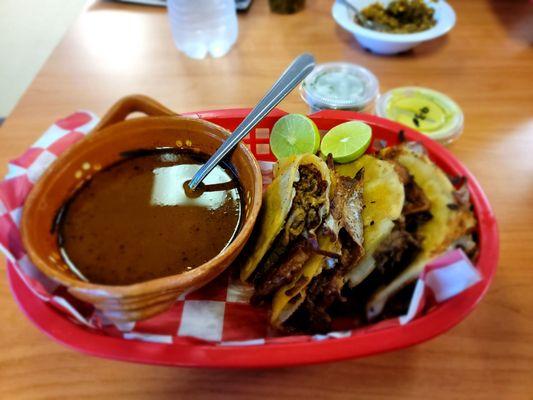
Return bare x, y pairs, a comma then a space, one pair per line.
293, 246
325, 289
309, 198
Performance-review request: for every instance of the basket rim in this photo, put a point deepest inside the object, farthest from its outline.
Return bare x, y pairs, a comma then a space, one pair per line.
360, 344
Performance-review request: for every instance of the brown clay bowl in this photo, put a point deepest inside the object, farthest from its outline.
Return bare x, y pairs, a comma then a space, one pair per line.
114, 135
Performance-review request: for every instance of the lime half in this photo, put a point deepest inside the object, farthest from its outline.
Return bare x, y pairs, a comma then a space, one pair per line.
294, 134
347, 141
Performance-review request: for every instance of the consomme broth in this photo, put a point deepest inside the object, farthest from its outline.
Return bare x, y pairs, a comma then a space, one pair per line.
133, 222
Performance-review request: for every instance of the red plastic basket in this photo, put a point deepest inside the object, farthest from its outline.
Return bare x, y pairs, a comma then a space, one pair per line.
363, 343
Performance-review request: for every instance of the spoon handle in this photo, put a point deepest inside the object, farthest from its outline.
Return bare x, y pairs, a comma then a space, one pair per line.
292, 76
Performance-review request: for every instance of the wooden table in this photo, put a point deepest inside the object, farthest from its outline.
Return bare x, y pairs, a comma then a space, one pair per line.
486, 64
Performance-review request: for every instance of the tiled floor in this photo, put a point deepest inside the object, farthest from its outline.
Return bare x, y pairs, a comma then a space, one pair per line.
29, 31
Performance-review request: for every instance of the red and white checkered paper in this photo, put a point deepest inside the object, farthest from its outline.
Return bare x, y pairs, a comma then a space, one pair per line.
219, 313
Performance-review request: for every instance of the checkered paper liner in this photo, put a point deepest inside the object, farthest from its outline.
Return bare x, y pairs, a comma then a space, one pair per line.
217, 314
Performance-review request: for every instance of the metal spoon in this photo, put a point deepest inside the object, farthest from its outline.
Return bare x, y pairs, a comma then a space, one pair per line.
293, 75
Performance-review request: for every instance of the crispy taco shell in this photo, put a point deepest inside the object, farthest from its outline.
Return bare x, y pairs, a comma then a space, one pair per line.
277, 203
451, 219
383, 198
345, 215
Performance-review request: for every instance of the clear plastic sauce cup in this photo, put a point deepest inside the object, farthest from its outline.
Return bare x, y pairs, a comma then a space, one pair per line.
428, 111
340, 86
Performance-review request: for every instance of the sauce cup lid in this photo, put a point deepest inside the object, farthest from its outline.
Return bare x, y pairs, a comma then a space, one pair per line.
338, 86
426, 110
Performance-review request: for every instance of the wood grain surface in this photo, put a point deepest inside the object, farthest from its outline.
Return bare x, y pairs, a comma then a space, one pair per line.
485, 64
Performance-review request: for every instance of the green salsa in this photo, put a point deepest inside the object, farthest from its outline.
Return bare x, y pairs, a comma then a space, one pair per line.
399, 16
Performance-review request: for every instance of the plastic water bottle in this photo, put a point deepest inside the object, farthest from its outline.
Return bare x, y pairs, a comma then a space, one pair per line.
202, 27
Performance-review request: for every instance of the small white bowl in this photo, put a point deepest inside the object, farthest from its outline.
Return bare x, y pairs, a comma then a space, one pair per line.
392, 43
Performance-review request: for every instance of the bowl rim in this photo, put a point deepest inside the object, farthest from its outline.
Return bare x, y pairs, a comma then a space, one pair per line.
444, 24
185, 279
